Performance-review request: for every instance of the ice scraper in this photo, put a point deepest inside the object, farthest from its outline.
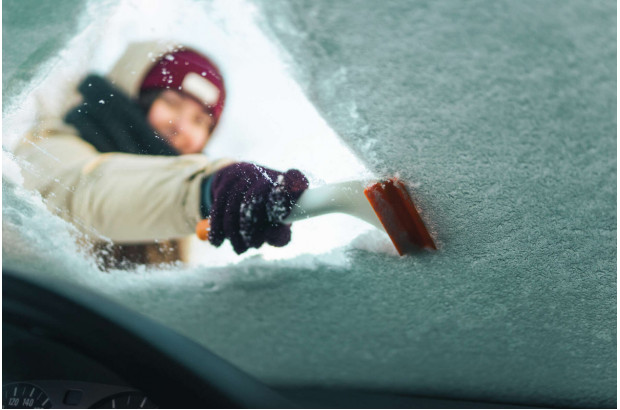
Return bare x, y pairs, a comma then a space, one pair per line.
386, 205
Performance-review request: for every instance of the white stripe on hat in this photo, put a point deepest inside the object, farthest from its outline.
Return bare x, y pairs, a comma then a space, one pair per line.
201, 88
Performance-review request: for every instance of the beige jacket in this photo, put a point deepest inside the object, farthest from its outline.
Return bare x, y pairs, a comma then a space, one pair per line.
127, 198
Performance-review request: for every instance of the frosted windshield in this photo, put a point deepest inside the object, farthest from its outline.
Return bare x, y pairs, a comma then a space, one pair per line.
500, 118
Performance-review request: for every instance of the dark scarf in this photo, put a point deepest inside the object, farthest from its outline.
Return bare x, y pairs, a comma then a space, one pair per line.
109, 120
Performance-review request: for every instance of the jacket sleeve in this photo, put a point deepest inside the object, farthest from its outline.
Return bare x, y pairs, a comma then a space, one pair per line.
126, 198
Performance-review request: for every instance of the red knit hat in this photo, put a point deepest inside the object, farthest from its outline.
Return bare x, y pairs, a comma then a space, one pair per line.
190, 72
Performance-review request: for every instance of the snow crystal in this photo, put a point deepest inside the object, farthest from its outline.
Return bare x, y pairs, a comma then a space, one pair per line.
10, 169
375, 241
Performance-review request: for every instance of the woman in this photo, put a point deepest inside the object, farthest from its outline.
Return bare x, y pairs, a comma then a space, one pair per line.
125, 163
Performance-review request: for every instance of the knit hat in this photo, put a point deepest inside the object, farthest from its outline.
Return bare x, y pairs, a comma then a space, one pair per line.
189, 72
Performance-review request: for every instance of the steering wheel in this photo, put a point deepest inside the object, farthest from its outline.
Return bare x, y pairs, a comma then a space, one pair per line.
172, 370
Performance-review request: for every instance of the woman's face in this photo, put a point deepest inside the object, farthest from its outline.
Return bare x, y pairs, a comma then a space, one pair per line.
181, 121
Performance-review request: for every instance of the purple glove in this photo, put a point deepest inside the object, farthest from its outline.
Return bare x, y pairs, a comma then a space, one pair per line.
249, 204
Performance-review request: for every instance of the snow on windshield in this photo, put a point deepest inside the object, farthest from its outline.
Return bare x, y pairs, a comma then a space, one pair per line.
501, 115
267, 120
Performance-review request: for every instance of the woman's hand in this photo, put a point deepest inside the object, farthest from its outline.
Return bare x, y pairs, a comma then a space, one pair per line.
250, 202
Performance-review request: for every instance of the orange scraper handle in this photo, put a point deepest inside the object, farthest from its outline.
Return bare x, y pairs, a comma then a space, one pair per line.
202, 230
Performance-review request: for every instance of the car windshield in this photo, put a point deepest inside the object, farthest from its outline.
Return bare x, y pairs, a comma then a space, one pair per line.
499, 116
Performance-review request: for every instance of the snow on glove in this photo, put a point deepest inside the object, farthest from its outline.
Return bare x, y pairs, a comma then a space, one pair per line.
250, 203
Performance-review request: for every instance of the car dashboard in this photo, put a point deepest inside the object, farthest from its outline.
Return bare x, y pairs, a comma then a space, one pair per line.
40, 373
59, 394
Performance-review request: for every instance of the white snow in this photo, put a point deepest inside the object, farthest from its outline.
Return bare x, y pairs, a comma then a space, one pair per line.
10, 169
